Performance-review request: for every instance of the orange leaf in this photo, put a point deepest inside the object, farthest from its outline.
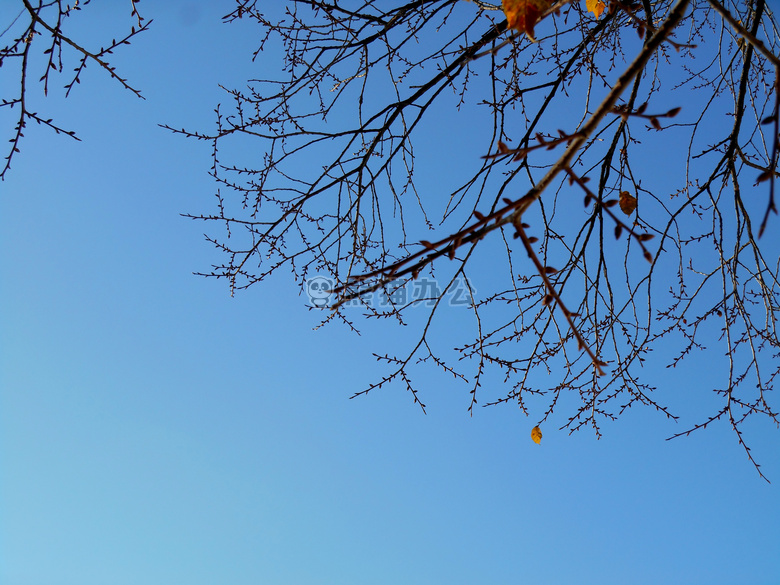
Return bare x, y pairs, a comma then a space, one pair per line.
536, 435
627, 202
524, 14
595, 6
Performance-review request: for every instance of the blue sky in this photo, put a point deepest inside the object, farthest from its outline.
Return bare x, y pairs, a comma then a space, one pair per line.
155, 430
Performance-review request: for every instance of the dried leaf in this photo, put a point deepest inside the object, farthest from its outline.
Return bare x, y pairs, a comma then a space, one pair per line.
627, 202
595, 6
536, 435
524, 14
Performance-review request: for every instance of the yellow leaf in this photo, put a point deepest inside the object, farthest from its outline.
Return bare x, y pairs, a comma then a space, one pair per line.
536, 435
627, 202
524, 14
595, 6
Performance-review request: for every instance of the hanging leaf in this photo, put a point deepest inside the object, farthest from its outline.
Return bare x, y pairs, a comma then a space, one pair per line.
536, 435
595, 6
627, 202
524, 14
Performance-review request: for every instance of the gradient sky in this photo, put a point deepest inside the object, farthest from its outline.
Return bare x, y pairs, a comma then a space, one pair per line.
154, 430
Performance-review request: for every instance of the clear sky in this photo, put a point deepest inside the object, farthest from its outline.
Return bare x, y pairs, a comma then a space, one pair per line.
156, 431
